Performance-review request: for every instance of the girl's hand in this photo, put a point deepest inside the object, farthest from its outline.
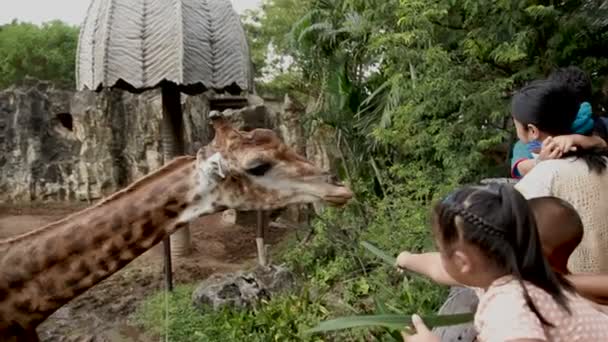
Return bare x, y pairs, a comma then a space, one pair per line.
423, 334
550, 150
402, 261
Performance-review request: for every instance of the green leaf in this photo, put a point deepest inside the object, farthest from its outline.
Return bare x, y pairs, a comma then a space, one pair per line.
397, 322
379, 253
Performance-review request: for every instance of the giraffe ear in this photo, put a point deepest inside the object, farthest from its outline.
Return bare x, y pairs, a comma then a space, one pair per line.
211, 167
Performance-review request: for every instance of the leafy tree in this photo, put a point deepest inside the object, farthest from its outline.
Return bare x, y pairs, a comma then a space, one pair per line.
417, 93
45, 52
267, 30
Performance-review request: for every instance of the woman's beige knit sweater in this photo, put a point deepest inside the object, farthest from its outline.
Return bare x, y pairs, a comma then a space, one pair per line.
571, 180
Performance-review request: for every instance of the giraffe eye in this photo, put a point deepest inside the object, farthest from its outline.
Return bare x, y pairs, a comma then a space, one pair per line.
260, 169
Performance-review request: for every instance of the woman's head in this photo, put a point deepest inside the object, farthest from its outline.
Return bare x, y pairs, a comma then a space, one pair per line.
544, 108
490, 231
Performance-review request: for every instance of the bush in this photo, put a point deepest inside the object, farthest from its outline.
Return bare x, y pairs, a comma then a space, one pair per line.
281, 319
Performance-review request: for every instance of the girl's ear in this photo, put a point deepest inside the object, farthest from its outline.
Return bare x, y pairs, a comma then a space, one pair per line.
462, 262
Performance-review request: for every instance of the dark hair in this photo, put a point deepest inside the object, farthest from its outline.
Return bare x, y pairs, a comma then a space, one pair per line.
579, 84
552, 107
576, 80
499, 221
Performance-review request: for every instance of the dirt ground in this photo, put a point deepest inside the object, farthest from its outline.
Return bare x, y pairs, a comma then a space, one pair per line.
103, 313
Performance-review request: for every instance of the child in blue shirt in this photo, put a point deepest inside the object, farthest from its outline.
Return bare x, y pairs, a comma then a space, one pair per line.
526, 156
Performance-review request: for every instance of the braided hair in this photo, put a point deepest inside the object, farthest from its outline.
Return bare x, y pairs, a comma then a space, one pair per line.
499, 221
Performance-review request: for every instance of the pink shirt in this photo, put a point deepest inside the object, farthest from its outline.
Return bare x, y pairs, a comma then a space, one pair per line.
503, 315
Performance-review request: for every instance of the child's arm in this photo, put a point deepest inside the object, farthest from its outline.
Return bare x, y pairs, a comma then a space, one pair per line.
524, 166
570, 142
427, 264
591, 286
586, 142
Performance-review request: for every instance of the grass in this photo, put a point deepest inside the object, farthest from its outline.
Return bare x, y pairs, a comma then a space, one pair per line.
284, 318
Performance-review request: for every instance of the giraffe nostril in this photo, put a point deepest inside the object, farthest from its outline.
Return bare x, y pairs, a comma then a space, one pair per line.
333, 179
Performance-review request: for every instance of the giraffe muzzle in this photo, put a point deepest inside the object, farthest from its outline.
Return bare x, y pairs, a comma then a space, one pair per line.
339, 194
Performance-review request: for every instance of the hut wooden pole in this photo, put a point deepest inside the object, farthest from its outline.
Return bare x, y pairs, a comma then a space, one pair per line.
259, 239
173, 146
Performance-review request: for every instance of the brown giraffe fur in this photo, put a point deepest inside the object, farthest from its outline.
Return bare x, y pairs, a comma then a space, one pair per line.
42, 270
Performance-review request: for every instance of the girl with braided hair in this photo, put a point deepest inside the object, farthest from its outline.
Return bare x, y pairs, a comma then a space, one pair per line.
488, 240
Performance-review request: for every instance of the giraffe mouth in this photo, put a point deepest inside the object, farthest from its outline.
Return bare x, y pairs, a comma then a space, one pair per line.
336, 201
339, 199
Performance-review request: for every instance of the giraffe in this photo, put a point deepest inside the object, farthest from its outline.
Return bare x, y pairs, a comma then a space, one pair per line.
44, 269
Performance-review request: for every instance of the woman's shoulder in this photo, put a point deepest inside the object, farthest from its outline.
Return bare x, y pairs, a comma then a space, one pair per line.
558, 166
560, 163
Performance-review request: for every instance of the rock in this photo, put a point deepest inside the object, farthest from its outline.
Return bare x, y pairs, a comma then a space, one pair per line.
322, 151
229, 216
228, 290
487, 181
276, 279
60, 145
250, 117
242, 290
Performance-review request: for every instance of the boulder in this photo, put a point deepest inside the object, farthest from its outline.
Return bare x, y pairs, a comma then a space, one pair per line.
242, 289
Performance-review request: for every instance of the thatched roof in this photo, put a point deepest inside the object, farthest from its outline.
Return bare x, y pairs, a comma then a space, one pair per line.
198, 43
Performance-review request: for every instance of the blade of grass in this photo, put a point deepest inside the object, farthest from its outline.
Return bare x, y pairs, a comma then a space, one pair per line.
379, 253
388, 259
380, 308
391, 321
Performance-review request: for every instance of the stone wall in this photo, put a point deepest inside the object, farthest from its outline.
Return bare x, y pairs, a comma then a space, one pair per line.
58, 145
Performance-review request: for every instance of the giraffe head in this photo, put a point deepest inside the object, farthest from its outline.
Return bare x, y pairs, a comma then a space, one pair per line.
255, 170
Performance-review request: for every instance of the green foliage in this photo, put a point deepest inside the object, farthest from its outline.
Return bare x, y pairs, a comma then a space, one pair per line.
46, 52
282, 319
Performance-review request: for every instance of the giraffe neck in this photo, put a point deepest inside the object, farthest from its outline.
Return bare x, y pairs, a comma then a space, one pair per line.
43, 270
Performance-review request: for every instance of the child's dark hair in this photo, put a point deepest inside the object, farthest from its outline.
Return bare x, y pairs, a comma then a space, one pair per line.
576, 79
552, 107
499, 221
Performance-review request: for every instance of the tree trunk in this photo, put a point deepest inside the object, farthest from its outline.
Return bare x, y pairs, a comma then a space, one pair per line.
173, 146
